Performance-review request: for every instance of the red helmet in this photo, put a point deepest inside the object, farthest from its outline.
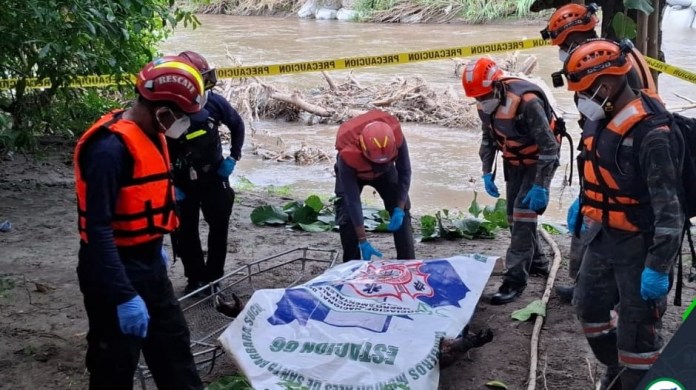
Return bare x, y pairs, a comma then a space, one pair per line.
378, 143
479, 76
172, 79
569, 19
595, 58
202, 64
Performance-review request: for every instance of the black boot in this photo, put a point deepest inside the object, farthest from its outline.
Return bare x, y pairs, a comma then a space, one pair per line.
565, 293
507, 293
611, 379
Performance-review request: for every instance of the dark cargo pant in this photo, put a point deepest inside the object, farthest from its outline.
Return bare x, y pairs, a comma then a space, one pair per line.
215, 200
112, 357
525, 247
610, 275
578, 246
387, 188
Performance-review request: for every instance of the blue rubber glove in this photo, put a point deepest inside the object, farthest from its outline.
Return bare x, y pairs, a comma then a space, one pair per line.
226, 167
537, 198
491, 188
133, 317
165, 257
653, 284
396, 220
572, 217
367, 250
179, 195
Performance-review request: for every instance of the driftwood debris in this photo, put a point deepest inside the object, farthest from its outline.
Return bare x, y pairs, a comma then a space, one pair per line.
411, 99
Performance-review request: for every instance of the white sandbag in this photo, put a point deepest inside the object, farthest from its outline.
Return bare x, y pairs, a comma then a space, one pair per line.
348, 4
682, 3
325, 14
678, 18
309, 8
346, 14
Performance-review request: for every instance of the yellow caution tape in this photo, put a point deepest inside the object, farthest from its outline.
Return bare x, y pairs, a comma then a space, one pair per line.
349, 63
316, 66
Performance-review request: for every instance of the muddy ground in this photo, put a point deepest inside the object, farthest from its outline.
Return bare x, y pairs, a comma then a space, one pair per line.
43, 324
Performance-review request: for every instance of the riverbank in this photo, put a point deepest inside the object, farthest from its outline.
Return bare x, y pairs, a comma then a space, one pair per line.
43, 326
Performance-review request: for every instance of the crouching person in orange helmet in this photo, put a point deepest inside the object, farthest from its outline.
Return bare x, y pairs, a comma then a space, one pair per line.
372, 151
125, 203
517, 120
630, 170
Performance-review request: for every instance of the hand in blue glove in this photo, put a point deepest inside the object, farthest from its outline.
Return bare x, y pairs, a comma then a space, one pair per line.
179, 195
165, 257
653, 284
397, 219
537, 198
367, 250
133, 317
226, 167
491, 188
572, 217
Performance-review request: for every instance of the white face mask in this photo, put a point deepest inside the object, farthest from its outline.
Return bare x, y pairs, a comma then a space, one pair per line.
590, 108
488, 105
562, 55
178, 127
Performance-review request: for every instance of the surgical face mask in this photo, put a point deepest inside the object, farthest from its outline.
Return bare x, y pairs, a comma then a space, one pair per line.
590, 108
562, 55
488, 105
178, 127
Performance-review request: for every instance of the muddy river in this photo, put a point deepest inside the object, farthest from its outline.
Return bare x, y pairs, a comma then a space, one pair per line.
446, 167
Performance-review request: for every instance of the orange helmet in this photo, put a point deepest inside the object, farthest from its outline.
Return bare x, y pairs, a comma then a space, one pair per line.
568, 19
595, 58
172, 79
202, 65
378, 143
479, 76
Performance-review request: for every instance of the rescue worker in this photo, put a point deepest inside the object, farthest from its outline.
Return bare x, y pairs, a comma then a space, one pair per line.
569, 26
631, 181
125, 203
372, 151
201, 177
516, 119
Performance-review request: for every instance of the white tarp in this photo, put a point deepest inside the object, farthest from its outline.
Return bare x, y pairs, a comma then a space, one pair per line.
360, 325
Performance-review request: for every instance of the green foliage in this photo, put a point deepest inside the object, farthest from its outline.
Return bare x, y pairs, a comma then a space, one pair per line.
624, 26
313, 215
63, 39
454, 225
552, 229
644, 6
232, 382
472, 11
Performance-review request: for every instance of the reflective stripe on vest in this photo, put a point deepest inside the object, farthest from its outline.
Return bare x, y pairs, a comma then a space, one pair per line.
517, 146
617, 197
347, 140
145, 204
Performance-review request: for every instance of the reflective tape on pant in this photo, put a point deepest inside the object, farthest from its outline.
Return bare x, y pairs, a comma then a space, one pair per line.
638, 360
524, 215
596, 329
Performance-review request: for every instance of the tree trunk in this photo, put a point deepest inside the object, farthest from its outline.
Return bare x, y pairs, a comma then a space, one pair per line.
642, 33
653, 41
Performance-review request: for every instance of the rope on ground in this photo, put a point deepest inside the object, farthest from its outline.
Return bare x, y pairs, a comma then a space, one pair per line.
531, 383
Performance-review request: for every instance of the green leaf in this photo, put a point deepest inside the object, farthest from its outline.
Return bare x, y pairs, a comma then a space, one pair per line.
268, 215
474, 208
328, 219
304, 214
44, 50
644, 6
624, 26
233, 382
496, 385
384, 215
551, 229
497, 214
370, 213
314, 202
535, 307
429, 230
292, 206
315, 227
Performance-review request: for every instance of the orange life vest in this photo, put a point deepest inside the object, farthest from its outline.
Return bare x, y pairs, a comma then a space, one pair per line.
614, 191
347, 141
513, 139
145, 205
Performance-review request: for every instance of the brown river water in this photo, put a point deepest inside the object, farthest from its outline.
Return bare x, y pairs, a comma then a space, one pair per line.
445, 163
